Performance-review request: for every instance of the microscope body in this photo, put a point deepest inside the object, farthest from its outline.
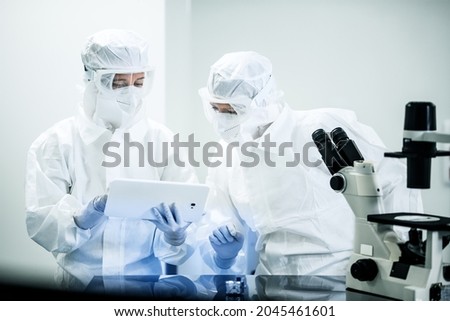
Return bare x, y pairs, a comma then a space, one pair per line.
382, 264
377, 266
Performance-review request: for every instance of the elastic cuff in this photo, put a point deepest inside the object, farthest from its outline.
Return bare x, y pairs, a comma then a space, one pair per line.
224, 263
175, 241
88, 221
86, 224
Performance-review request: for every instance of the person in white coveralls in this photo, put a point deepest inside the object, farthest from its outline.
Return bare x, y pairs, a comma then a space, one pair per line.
67, 180
301, 226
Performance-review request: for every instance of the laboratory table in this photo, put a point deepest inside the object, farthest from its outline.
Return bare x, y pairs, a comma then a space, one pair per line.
198, 288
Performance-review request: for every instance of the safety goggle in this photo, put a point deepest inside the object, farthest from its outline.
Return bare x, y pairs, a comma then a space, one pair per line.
242, 105
114, 81
238, 104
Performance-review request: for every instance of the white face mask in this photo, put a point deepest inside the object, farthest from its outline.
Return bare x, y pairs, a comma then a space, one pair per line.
116, 111
228, 126
261, 118
112, 98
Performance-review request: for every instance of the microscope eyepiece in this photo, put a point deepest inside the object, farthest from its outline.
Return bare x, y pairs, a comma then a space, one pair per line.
345, 146
329, 153
339, 136
319, 136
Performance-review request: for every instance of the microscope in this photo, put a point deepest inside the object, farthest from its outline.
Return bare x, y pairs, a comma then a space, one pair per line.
381, 264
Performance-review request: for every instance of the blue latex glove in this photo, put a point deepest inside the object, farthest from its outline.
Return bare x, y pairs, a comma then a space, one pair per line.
168, 220
227, 242
92, 213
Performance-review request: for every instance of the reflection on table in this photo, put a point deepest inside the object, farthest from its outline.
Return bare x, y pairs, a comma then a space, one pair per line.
196, 288
221, 287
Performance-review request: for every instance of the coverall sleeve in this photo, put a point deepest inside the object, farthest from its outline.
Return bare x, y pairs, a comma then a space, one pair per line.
171, 254
219, 211
49, 206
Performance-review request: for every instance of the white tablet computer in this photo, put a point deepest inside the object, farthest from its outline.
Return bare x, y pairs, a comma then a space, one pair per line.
133, 198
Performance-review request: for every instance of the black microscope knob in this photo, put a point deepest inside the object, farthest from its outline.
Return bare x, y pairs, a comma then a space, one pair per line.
364, 270
337, 183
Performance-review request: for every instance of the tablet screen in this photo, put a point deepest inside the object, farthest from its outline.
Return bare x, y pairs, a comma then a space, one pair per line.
133, 198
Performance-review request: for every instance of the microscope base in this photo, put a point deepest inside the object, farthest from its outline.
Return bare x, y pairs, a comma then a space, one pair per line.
401, 282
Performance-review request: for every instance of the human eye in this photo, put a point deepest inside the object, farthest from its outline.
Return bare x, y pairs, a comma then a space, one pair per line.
117, 84
139, 82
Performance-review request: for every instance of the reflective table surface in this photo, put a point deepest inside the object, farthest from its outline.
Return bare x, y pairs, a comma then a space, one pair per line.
197, 288
222, 287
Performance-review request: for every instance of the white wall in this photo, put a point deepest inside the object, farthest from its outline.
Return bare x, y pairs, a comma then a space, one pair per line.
41, 66
369, 56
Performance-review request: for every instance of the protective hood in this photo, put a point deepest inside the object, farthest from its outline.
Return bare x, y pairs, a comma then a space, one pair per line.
117, 77
245, 81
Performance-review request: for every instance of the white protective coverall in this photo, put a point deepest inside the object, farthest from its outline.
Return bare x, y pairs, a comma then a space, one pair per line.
302, 226
64, 172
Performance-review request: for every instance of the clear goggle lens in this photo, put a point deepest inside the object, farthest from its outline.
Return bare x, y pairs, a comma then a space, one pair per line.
115, 82
239, 104
243, 105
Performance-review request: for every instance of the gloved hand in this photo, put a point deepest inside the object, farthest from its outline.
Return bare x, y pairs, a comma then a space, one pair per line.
227, 242
168, 220
92, 213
